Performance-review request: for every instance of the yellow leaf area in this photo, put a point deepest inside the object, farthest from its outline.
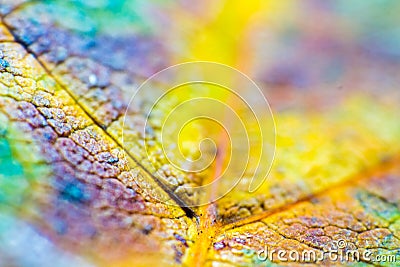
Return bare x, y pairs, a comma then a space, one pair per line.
335, 175
317, 151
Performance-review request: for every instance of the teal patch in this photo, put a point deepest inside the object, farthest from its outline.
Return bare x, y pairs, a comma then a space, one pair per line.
108, 16
378, 206
12, 181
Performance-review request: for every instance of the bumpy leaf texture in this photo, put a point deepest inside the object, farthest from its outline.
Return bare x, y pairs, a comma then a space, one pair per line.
73, 193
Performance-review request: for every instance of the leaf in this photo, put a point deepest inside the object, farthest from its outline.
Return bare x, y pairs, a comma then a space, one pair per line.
363, 213
67, 178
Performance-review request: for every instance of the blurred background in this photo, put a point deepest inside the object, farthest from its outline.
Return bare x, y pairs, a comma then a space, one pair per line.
292, 45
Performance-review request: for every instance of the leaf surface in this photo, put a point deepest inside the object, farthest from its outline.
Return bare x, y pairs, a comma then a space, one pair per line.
66, 78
